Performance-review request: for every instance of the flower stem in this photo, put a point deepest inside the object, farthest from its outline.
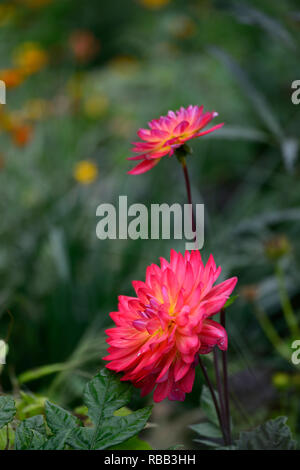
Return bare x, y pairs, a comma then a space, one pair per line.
213, 395
220, 413
220, 393
225, 380
188, 189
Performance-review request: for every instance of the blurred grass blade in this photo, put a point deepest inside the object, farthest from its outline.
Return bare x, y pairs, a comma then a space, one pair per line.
239, 133
289, 149
39, 372
249, 15
257, 99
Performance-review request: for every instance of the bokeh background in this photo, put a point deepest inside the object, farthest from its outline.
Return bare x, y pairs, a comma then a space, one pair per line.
81, 78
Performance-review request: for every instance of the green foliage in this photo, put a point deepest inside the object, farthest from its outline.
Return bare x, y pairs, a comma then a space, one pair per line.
104, 396
209, 432
272, 435
7, 410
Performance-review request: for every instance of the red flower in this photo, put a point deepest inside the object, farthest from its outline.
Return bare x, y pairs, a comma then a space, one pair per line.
159, 333
168, 133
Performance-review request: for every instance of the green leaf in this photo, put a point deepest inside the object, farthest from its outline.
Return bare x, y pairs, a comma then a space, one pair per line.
57, 441
207, 443
7, 410
272, 435
31, 434
103, 396
207, 405
59, 419
207, 430
230, 301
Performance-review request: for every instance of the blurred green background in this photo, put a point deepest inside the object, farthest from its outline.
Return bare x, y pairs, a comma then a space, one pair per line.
81, 78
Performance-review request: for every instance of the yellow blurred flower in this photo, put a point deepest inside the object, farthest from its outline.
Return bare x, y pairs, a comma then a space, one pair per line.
95, 106
30, 58
11, 77
75, 86
36, 109
154, 4
281, 380
125, 64
277, 247
6, 122
85, 172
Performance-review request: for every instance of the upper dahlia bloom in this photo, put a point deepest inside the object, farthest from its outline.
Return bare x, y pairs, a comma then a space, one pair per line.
159, 333
168, 133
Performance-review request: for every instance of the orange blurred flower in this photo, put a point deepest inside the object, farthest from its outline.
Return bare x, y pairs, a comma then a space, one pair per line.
30, 58
11, 77
154, 4
22, 134
85, 172
84, 45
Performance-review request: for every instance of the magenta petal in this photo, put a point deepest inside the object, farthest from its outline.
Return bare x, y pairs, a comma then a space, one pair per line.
212, 334
144, 166
181, 127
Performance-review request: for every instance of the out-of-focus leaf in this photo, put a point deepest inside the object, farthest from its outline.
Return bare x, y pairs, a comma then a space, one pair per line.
207, 405
239, 133
274, 28
39, 372
290, 149
230, 301
256, 98
3, 437
7, 410
207, 442
272, 435
207, 430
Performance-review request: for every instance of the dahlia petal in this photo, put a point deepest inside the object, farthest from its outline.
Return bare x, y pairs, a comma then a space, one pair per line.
208, 131
181, 127
162, 391
180, 369
187, 382
213, 334
176, 395
146, 165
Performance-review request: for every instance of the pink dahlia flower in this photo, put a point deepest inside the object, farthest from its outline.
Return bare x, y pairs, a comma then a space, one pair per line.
168, 133
159, 333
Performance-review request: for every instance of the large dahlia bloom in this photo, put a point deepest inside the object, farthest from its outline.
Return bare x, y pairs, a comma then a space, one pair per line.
168, 133
159, 334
